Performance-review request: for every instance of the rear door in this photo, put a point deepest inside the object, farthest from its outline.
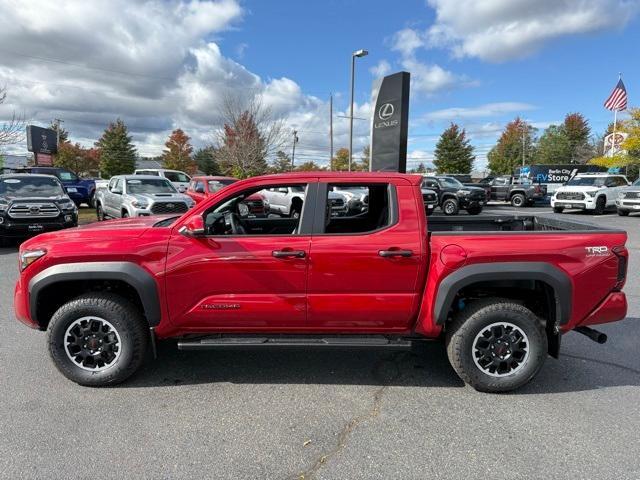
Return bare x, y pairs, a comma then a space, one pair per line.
500, 188
364, 269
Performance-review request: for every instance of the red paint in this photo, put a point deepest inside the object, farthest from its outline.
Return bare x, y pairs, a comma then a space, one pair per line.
342, 285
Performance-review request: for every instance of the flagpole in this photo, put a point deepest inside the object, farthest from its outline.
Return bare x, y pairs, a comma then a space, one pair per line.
615, 124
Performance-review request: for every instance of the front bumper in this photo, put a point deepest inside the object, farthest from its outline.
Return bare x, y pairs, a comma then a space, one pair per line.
588, 203
630, 205
21, 228
466, 202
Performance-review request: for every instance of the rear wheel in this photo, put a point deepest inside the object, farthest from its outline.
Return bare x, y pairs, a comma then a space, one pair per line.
450, 206
623, 213
125, 214
558, 209
518, 200
98, 339
496, 345
601, 205
99, 212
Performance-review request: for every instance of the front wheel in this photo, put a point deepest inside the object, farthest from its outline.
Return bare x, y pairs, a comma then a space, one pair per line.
558, 209
496, 345
99, 212
97, 339
601, 205
623, 213
450, 206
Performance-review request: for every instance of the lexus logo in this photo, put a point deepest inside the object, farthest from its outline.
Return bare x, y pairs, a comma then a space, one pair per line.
386, 111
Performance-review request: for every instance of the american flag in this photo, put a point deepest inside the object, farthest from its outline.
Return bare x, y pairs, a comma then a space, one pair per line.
618, 98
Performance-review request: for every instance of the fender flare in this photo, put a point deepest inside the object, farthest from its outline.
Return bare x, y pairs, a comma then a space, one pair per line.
486, 272
140, 279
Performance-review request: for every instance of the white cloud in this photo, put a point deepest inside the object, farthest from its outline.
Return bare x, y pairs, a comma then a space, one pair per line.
481, 111
381, 69
500, 30
407, 41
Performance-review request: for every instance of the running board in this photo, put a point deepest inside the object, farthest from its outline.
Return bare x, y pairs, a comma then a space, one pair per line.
251, 341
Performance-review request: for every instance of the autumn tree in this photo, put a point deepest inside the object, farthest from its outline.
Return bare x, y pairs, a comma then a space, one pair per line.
309, 166
454, 153
117, 153
507, 154
77, 159
362, 165
340, 161
177, 152
282, 163
249, 136
206, 160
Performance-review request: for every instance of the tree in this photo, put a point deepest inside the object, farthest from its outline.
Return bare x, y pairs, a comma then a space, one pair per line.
205, 159
63, 135
340, 162
117, 153
11, 132
454, 153
553, 147
177, 154
250, 135
78, 159
282, 163
420, 168
309, 166
578, 133
363, 164
508, 152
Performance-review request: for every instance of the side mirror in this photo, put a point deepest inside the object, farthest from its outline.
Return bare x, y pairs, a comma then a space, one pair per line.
117, 191
193, 228
283, 190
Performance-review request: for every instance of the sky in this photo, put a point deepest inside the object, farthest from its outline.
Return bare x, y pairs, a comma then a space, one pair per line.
161, 65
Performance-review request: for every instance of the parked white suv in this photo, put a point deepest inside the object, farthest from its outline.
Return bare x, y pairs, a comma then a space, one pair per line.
589, 191
179, 179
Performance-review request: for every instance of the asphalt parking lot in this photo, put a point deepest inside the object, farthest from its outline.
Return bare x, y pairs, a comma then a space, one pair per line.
324, 414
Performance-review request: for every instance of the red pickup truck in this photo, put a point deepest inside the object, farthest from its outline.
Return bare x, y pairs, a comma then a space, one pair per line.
500, 291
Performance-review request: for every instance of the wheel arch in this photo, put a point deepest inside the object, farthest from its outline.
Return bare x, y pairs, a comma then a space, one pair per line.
554, 282
61, 283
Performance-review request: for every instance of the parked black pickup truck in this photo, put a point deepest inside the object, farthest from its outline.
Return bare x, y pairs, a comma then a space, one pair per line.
453, 195
520, 192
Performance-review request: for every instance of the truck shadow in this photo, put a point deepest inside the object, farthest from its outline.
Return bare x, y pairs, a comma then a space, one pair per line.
580, 368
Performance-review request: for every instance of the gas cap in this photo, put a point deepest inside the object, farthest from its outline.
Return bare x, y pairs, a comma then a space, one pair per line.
453, 256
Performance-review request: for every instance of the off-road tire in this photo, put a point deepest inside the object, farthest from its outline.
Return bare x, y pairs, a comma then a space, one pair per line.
518, 200
623, 213
467, 324
450, 206
558, 209
100, 212
601, 206
474, 210
122, 315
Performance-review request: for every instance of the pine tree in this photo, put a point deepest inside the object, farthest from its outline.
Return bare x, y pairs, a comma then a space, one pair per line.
177, 154
117, 153
282, 163
454, 153
205, 159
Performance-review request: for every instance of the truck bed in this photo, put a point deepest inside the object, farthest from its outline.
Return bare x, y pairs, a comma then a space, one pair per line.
508, 223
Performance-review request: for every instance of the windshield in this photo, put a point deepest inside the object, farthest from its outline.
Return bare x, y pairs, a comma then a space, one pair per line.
177, 177
215, 185
150, 185
66, 176
636, 183
449, 182
587, 181
30, 187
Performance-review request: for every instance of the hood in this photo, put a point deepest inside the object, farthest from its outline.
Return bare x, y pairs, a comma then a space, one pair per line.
178, 197
578, 188
473, 188
55, 198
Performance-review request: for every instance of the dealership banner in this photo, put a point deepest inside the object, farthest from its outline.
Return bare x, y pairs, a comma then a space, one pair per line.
390, 124
550, 174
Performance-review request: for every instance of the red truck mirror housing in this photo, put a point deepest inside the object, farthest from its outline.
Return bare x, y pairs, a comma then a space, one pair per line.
193, 228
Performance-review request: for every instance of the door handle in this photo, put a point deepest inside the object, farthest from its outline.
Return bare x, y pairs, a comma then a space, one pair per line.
289, 253
395, 253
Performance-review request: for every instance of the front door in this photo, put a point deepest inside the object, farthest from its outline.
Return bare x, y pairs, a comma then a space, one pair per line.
364, 268
247, 274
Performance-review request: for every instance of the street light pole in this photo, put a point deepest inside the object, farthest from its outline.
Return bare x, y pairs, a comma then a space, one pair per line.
357, 53
293, 153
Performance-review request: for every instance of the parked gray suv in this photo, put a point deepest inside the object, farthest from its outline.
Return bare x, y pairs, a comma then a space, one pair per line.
140, 196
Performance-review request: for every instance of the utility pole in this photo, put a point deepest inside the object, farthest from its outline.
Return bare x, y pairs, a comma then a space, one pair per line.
293, 153
523, 142
357, 54
331, 131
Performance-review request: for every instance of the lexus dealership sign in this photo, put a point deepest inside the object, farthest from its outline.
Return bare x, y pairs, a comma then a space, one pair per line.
389, 125
41, 140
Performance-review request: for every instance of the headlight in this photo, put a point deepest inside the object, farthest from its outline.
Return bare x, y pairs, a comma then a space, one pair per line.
591, 194
621, 195
3, 206
29, 256
462, 193
139, 204
68, 206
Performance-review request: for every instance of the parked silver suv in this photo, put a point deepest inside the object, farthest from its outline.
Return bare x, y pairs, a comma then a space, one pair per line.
629, 199
140, 196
